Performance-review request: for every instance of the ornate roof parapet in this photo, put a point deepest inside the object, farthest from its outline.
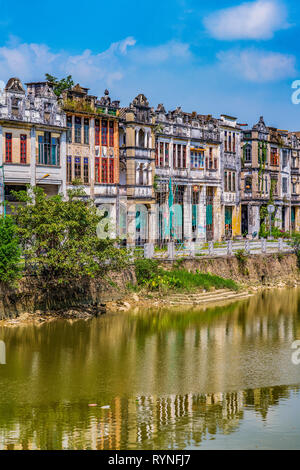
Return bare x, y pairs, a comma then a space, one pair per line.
39, 105
141, 109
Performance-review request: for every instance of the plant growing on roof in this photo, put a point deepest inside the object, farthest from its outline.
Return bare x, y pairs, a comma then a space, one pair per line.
60, 85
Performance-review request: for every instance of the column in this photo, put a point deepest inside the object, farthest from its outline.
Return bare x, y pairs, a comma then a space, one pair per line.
1, 163
63, 163
131, 221
152, 224
33, 157
73, 128
201, 229
92, 157
187, 213
1, 146
217, 216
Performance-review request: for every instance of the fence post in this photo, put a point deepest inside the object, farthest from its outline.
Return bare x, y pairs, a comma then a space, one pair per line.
191, 249
264, 245
247, 246
211, 248
148, 250
171, 250
229, 247
280, 244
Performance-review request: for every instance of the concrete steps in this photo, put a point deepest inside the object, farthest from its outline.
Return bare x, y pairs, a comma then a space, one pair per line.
203, 298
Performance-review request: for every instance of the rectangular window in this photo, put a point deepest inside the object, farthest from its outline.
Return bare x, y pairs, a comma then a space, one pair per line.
284, 185
41, 149
104, 133
161, 154
97, 132
166, 155
156, 154
175, 156
86, 170
229, 181
284, 158
226, 145
77, 168
111, 171
97, 170
8, 148
233, 144
226, 182
69, 169
183, 156
104, 170
111, 133
229, 143
233, 182
77, 130
54, 151
197, 160
47, 148
211, 163
69, 131
274, 157
86, 131
23, 148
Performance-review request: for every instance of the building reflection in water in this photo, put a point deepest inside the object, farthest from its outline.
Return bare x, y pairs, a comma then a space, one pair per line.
167, 377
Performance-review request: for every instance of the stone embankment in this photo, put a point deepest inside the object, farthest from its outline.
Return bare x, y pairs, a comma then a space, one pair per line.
92, 298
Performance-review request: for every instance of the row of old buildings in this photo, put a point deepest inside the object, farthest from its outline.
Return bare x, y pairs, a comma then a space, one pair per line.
156, 174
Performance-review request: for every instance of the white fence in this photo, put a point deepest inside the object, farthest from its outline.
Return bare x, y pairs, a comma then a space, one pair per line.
173, 250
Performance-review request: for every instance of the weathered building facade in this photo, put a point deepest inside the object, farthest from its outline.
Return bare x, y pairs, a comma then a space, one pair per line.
157, 175
188, 177
32, 138
137, 166
266, 178
93, 146
230, 133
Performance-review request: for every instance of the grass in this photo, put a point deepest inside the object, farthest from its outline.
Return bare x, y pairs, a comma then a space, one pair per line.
190, 281
151, 276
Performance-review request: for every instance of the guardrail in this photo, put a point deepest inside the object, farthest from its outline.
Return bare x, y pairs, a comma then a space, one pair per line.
174, 250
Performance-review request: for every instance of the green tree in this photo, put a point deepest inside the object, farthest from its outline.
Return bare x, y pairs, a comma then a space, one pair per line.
60, 85
59, 237
10, 252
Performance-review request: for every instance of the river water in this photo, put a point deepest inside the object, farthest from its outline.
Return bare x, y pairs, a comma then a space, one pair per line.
218, 378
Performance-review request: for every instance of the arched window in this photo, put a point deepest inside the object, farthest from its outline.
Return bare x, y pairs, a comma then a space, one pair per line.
141, 138
248, 184
248, 154
141, 175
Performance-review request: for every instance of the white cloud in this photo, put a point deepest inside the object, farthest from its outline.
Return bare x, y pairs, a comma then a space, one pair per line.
258, 66
32, 61
252, 20
162, 53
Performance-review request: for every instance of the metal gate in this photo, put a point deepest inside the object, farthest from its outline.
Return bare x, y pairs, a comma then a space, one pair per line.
228, 222
209, 214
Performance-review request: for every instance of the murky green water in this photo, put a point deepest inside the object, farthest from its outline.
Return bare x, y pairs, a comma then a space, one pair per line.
219, 378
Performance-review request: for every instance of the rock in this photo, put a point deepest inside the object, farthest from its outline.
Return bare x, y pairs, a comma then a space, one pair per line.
135, 297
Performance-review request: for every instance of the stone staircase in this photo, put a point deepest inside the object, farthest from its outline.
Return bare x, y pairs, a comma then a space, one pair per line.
202, 298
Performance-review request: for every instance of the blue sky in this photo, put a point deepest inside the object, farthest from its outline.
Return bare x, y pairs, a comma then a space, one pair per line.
229, 57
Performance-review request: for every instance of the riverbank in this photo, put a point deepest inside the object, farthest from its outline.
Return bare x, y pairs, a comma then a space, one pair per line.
95, 297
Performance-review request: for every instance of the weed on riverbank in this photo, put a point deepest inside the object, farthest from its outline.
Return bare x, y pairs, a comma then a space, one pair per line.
153, 277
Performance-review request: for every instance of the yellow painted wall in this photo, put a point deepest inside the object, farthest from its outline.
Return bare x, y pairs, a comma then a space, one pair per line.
16, 143
236, 221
